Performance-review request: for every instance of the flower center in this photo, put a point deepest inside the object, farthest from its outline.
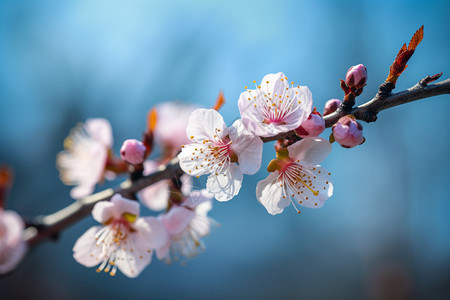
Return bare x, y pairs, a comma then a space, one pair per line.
275, 108
111, 239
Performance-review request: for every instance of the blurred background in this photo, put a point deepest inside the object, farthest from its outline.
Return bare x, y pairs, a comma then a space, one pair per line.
385, 233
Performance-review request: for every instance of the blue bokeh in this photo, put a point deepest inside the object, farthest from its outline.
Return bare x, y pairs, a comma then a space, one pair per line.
385, 231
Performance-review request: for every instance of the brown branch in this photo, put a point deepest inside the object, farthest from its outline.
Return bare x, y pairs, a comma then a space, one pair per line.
49, 226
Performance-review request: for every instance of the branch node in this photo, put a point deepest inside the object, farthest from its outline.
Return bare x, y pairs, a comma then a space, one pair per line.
429, 79
385, 89
370, 116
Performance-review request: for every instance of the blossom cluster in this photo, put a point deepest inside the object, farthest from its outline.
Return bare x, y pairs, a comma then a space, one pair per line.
204, 145
226, 153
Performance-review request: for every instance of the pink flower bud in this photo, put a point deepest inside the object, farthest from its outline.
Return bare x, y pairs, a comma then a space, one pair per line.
312, 126
348, 132
331, 106
133, 152
356, 77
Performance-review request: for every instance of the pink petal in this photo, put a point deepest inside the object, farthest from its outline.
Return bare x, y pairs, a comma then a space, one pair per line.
177, 219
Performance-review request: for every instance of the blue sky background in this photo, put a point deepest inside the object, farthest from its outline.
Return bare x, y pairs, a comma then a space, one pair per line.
385, 230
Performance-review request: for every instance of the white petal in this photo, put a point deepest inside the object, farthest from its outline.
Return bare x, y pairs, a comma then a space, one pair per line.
100, 130
155, 196
225, 185
277, 83
153, 230
81, 191
196, 197
250, 115
192, 161
310, 150
115, 208
269, 193
321, 182
103, 211
149, 233
85, 250
163, 251
205, 124
186, 184
131, 264
247, 147
177, 219
12, 247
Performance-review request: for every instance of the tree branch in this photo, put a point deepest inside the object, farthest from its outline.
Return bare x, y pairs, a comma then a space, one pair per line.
49, 226
368, 111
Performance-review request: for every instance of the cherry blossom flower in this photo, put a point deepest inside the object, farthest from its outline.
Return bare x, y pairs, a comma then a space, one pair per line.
84, 160
170, 130
125, 242
156, 196
186, 224
224, 153
296, 174
12, 247
274, 106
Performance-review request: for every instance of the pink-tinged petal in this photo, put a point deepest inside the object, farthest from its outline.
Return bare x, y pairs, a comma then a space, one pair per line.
191, 161
129, 263
176, 114
195, 198
205, 124
225, 185
269, 193
104, 211
275, 84
12, 247
149, 233
186, 184
81, 191
248, 148
85, 250
162, 252
100, 130
82, 165
310, 150
153, 230
14, 226
123, 205
177, 219
201, 223
155, 196
12, 256
250, 114
320, 182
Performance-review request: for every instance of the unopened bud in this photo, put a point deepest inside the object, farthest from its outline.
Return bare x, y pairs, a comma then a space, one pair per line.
356, 77
331, 106
312, 126
133, 152
348, 132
